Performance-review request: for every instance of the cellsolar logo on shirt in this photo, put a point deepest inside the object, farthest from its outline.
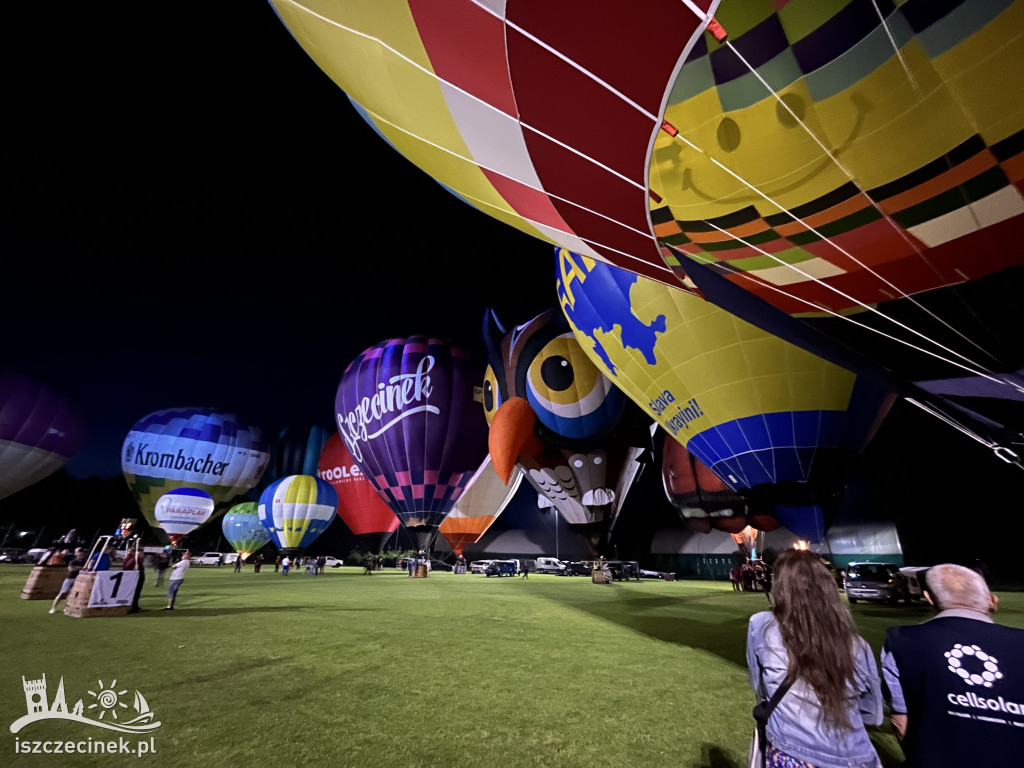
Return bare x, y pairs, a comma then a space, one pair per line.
971, 664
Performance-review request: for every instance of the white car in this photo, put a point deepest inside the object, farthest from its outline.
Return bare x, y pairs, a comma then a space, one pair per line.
479, 566
333, 562
207, 558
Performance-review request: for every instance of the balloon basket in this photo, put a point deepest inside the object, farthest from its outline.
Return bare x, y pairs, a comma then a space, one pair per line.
670, 577
44, 582
421, 571
78, 601
598, 576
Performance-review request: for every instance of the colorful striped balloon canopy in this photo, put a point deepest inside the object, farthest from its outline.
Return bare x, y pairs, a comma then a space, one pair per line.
847, 174
296, 509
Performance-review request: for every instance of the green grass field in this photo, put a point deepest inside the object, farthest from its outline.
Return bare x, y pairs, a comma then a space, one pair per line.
348, 669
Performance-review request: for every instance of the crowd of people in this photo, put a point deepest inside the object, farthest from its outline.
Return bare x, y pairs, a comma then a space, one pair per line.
752, 575
816, 680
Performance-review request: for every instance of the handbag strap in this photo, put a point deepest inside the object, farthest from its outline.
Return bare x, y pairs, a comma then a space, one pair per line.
763, 710
767, 707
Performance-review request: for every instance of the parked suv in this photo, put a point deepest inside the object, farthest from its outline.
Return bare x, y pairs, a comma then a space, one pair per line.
479, 566
880, 582
501, 568
207, 558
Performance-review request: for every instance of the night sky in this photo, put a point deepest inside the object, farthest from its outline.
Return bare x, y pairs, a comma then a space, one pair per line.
198, 216
195, 215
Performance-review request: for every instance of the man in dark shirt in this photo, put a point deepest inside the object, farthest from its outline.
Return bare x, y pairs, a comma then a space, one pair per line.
955, 684
134, 563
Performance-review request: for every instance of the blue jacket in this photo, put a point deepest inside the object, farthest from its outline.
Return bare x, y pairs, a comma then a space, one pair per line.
795, 726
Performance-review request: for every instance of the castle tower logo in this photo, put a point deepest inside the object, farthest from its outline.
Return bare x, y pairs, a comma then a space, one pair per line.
109, 708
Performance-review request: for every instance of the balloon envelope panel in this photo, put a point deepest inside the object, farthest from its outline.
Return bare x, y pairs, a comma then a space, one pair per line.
752, 407
296, 509
360, 506
298, 448
242, 528
408, 412
854, 167
40, 431
201, 448
484, 499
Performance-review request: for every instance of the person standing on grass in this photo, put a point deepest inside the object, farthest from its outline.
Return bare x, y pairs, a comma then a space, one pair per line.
286, 563
809, 642
238, 564
277, 564
955, 684
177, 576
75, 565
134, 563
257, 563
160, 566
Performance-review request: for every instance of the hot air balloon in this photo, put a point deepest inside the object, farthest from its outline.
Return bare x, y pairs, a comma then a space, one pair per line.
484, 499
701, 498
553, 415
40, 431
845, 175
297, 451
295, 510
359, 503
183, 510
780, 426
201, 448
243, 530
408, 413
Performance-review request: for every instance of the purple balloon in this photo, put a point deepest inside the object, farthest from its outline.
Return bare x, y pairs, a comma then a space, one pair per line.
40, 431
409, 413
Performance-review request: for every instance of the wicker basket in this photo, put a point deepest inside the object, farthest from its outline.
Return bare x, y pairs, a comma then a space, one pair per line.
78, 600
44, 582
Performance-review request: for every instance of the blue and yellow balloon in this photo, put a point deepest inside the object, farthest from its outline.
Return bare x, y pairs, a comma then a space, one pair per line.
296, 509
777, 424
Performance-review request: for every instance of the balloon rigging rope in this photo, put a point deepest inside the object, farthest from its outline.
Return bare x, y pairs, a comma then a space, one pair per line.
831, 242
772, 257
1006, 454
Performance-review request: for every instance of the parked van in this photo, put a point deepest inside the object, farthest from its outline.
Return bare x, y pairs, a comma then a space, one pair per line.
915, 580
550, 565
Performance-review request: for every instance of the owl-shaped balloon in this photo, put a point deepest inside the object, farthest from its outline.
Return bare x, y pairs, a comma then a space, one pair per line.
578, 440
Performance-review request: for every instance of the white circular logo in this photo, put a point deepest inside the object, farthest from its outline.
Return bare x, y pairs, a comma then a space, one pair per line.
973, 665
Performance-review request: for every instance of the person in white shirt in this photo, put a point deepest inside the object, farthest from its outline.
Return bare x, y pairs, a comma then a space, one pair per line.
177, 576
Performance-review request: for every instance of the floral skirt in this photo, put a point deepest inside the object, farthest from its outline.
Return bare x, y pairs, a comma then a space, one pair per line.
776, 758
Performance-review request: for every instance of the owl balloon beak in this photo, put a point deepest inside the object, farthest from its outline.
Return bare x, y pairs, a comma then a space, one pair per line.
512, 435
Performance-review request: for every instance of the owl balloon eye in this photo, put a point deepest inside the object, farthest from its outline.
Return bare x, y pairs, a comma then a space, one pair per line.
566, 390
492, 394
557, 373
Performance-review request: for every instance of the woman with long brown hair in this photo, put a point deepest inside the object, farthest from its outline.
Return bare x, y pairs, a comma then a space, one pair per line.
809, 640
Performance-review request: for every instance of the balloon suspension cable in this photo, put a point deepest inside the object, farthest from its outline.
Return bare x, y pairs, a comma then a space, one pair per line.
1002, 452
982, 370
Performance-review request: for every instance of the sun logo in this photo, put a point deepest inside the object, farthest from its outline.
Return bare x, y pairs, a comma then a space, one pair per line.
107, 700
973, 665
